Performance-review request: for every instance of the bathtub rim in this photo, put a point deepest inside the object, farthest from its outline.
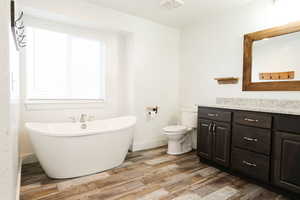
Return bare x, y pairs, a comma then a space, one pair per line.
33, 130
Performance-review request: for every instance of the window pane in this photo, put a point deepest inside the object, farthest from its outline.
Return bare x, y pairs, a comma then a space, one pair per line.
61, 66
86, 69
50, 64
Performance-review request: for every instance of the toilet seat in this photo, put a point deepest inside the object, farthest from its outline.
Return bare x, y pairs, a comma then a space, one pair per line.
175, 129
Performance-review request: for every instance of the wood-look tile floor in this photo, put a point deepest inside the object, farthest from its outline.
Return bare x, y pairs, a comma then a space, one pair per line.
145, 175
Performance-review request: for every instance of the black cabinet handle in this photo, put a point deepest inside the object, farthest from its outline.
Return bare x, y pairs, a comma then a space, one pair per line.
250, 139
249, 164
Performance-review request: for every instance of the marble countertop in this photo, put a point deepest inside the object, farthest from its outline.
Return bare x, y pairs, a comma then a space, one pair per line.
257, 109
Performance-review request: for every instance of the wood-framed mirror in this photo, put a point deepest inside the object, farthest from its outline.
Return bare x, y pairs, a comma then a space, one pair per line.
271, 59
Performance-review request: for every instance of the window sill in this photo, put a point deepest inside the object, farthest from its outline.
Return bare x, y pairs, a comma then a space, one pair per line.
36, 105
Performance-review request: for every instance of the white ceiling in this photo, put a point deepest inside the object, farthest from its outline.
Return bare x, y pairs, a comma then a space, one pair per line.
192, 11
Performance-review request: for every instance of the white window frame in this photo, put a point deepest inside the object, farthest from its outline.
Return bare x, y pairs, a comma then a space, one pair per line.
45, 104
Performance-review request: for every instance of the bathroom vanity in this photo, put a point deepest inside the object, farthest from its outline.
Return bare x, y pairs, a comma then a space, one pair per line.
264, 146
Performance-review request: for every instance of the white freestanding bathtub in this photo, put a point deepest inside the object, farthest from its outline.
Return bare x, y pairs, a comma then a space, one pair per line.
66, 151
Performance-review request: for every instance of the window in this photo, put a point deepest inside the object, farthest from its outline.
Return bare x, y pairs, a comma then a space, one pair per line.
61, 66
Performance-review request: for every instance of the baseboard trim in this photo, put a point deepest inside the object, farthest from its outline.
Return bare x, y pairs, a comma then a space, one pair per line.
149, 144
18, 189
28, 158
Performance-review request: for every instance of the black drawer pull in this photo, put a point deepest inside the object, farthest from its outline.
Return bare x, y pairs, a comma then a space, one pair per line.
249, 164
250, 139
212, 115
251, 120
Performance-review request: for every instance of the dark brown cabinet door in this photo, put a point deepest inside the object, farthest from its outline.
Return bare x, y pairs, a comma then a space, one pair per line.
286, 160
204, 139
221, 143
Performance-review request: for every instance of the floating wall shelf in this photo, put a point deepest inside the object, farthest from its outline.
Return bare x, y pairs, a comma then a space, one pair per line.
227, 80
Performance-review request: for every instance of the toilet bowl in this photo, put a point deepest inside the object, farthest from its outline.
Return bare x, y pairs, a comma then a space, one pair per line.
179, 139
180, 136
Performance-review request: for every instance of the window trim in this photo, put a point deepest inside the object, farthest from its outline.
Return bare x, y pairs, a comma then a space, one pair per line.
37, 105
56, 101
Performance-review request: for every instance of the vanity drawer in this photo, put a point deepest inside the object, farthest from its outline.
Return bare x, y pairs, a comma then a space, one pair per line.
253, 139
252, 164
253, 119
214, 114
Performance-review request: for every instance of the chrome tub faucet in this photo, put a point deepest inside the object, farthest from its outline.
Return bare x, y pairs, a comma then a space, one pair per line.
83, 118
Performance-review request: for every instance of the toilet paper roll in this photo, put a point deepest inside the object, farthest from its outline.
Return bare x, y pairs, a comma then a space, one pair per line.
152, 114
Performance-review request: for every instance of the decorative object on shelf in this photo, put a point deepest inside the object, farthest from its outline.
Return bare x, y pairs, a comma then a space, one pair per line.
227, 80
17, 27
277, 75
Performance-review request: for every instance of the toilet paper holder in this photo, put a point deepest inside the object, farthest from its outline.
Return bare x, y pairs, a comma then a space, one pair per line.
151, 109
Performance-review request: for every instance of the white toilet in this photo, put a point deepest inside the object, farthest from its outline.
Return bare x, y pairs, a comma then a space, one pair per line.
180, 136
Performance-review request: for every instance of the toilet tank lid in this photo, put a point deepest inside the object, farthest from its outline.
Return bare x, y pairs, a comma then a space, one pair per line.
176, 128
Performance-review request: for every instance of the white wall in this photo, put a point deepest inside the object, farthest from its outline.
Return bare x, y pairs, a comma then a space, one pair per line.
150, 71
9, 101
214, 48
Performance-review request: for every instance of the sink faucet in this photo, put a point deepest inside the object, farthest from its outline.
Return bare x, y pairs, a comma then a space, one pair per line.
83, 118
83, 121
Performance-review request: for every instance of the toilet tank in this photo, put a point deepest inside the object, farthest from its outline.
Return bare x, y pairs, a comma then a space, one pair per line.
189, 117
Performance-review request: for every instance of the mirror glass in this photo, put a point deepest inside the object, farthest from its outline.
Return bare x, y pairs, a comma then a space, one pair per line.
276, 58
